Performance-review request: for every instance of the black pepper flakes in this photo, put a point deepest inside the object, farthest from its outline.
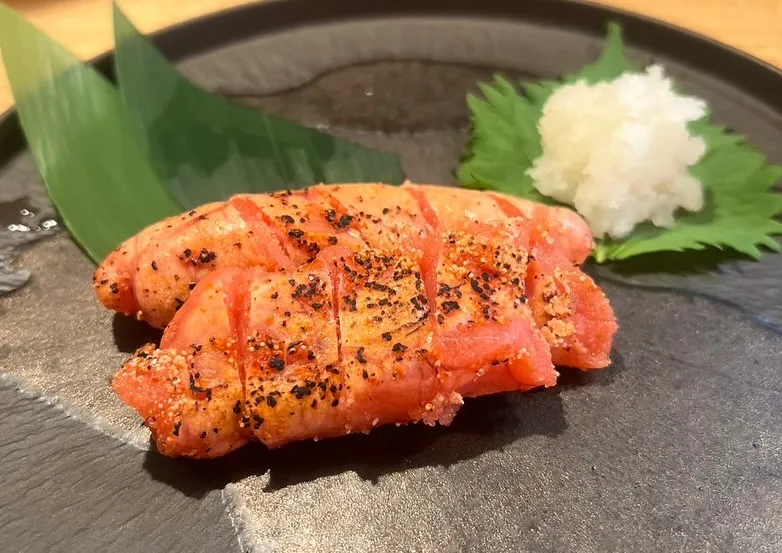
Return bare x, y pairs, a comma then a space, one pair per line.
277, 363
371, 285
300, 391
205, 256
386, 336
197, 389
307, 290
350, 301
296, 233
114, 287
344, 221
360, 355
399, 348
449, 306
154, 265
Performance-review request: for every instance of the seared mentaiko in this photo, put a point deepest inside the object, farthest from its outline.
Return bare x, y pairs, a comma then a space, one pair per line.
151, 274
364, 336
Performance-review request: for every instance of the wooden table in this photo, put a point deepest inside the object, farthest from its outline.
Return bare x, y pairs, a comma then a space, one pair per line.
84, 26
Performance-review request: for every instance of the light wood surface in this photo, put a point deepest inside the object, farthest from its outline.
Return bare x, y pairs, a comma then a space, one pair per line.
84, 26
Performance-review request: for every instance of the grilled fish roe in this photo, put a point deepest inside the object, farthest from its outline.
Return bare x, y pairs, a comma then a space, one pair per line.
412, 298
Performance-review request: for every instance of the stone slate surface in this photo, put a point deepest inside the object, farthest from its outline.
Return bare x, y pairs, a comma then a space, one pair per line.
67, 487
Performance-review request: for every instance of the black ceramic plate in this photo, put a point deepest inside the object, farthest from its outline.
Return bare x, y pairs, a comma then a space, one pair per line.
676, 447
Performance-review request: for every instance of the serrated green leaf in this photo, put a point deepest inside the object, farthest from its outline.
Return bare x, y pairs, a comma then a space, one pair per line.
612, 61
505, 142
714, 135
208, 148
80, 136
538, 93
737, 179
739, 213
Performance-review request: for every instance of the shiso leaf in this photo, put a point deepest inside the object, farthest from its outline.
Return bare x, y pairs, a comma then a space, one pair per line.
207, 148
81, 139
739, 212
504, 143
612, 61
738, 182
505, 140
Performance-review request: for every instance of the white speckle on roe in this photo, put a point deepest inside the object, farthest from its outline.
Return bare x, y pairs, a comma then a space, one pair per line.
620, 151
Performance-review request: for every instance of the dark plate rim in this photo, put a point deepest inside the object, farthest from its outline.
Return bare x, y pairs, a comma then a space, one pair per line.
755, 77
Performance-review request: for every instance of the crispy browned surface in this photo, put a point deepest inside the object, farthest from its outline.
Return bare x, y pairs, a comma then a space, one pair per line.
347, 342
187, 390
151, 274
340, 308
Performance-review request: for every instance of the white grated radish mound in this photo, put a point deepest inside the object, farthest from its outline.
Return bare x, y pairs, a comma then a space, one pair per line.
619, 151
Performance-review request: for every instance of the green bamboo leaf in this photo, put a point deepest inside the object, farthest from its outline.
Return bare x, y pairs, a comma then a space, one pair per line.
207, 148
81, 139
